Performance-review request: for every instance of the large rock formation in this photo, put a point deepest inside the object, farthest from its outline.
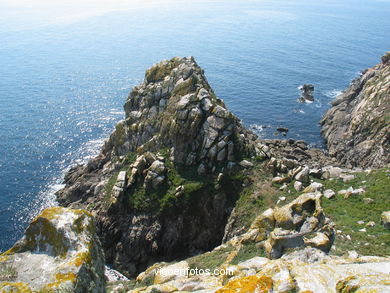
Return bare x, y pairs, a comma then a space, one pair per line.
298, 224
159, 188
357, 127
59, 252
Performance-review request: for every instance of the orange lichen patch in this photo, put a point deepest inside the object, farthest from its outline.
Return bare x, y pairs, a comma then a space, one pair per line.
60, 279
260, 284
15, 287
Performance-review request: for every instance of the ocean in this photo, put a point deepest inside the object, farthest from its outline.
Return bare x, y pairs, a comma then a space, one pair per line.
66, 71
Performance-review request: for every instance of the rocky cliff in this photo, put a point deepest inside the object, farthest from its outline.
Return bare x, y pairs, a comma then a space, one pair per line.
162, 186
357, 127
180, 175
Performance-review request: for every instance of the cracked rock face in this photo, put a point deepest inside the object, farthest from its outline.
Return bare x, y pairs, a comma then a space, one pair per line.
357, 127
60, 251
176, 108
173, 120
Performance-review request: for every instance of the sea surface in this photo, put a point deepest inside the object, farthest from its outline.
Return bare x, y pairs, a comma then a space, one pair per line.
65, 72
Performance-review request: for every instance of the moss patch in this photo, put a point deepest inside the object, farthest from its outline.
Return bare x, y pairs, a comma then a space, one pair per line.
210, 260
247, 251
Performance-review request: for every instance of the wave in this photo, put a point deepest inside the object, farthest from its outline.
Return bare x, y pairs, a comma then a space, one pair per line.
300, 111
333, 93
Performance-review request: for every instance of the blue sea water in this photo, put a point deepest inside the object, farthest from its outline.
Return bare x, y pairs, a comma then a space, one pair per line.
63, 83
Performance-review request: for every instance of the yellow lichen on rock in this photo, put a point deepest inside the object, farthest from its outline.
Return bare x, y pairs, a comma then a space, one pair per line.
14, 287
60, 250
60, 280
251, 284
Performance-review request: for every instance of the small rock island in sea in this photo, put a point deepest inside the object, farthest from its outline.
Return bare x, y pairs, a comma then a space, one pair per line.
306, 93
182, 186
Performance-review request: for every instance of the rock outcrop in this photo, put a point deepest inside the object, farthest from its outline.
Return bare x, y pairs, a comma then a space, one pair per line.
298, 224
301, 235
357, 126
259, 274
159, 188
60, 251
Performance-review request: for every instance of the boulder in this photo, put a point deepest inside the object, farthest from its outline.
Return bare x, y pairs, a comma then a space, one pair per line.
292, 225
347, 178
59, 251
298, 186
385, 219
314, 187
303, 175
280, 180
246, 164
329, 193
320, 241
331, 172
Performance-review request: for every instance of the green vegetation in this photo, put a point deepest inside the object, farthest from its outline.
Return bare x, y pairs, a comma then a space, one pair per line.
247, 251
347, 212
210, 260
7, 272
128, 160
108, 189
165, 197
193, 187
257, 195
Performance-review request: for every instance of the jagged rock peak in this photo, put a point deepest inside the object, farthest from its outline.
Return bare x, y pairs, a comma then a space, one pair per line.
176, 109
357, 128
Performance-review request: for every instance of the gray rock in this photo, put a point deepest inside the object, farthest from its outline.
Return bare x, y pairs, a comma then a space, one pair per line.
221, 155
355, 139
303, 176
216, 122
246, 164
331, 172
348, 178
316, 173
314, 187
329, 193
298, 186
